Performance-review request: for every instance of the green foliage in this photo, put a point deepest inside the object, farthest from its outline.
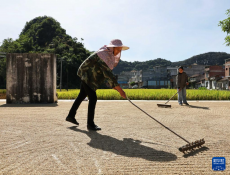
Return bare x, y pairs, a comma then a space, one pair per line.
202, 88
45, 35
2, 94
150, 94
3, 91
210, 58
146, 94
136, 65
132, 83
225, 26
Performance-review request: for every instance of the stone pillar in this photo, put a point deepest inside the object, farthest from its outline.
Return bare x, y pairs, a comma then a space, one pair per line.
31, 78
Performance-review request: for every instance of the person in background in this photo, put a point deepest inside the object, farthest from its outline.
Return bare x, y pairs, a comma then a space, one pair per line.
181, 82
93, 71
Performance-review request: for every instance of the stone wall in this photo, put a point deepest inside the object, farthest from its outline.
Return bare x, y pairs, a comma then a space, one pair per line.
31, 78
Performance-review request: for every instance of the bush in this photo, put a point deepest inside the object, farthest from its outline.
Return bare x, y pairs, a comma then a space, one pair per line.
132, 83
202, 88
150, 94
144, 94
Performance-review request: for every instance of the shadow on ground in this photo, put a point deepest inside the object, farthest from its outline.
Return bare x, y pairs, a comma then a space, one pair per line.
193, 153
198, 107
126, 147
31, 105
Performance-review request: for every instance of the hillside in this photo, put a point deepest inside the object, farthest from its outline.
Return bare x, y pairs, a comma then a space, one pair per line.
44, 34
136, 65
210, 58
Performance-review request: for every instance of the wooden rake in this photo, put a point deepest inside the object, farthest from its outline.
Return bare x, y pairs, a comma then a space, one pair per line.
188, 147
165, 105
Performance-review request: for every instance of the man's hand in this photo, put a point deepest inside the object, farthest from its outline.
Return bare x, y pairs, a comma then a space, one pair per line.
122, 93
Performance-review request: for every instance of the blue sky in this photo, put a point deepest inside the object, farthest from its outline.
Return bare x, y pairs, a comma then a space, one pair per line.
171, 29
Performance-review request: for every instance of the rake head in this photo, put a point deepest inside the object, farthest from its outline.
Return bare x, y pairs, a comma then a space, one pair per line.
164, 106
192, 145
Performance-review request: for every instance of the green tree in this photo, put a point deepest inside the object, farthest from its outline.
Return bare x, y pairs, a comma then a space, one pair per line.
132, 83
225, 26
44, 34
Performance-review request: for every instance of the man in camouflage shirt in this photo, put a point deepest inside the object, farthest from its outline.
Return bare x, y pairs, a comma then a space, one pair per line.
94, 71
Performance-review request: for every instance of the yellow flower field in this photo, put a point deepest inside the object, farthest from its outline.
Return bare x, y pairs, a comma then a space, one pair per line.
144, 94
150, 94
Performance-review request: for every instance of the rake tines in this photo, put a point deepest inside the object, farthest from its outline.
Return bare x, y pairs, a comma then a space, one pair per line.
187, 147
192, 145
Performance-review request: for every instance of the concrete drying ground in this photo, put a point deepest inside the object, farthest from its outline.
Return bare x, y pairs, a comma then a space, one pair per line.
36, 139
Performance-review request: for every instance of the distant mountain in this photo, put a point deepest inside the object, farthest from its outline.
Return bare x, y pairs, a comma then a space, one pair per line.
136, 65
210, 58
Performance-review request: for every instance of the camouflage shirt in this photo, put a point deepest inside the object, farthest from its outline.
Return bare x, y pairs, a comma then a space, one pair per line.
94, 71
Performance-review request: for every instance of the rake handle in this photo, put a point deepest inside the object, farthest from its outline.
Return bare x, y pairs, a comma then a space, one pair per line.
157, 120
171, 98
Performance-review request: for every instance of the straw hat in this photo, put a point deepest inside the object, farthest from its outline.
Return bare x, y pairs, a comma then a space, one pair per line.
117, 43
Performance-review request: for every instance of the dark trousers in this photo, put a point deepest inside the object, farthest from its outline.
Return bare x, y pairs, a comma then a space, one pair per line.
182, 95
85, 91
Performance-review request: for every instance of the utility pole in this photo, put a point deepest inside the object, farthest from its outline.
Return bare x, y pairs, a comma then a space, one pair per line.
61, 59
60, 72
61, 75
